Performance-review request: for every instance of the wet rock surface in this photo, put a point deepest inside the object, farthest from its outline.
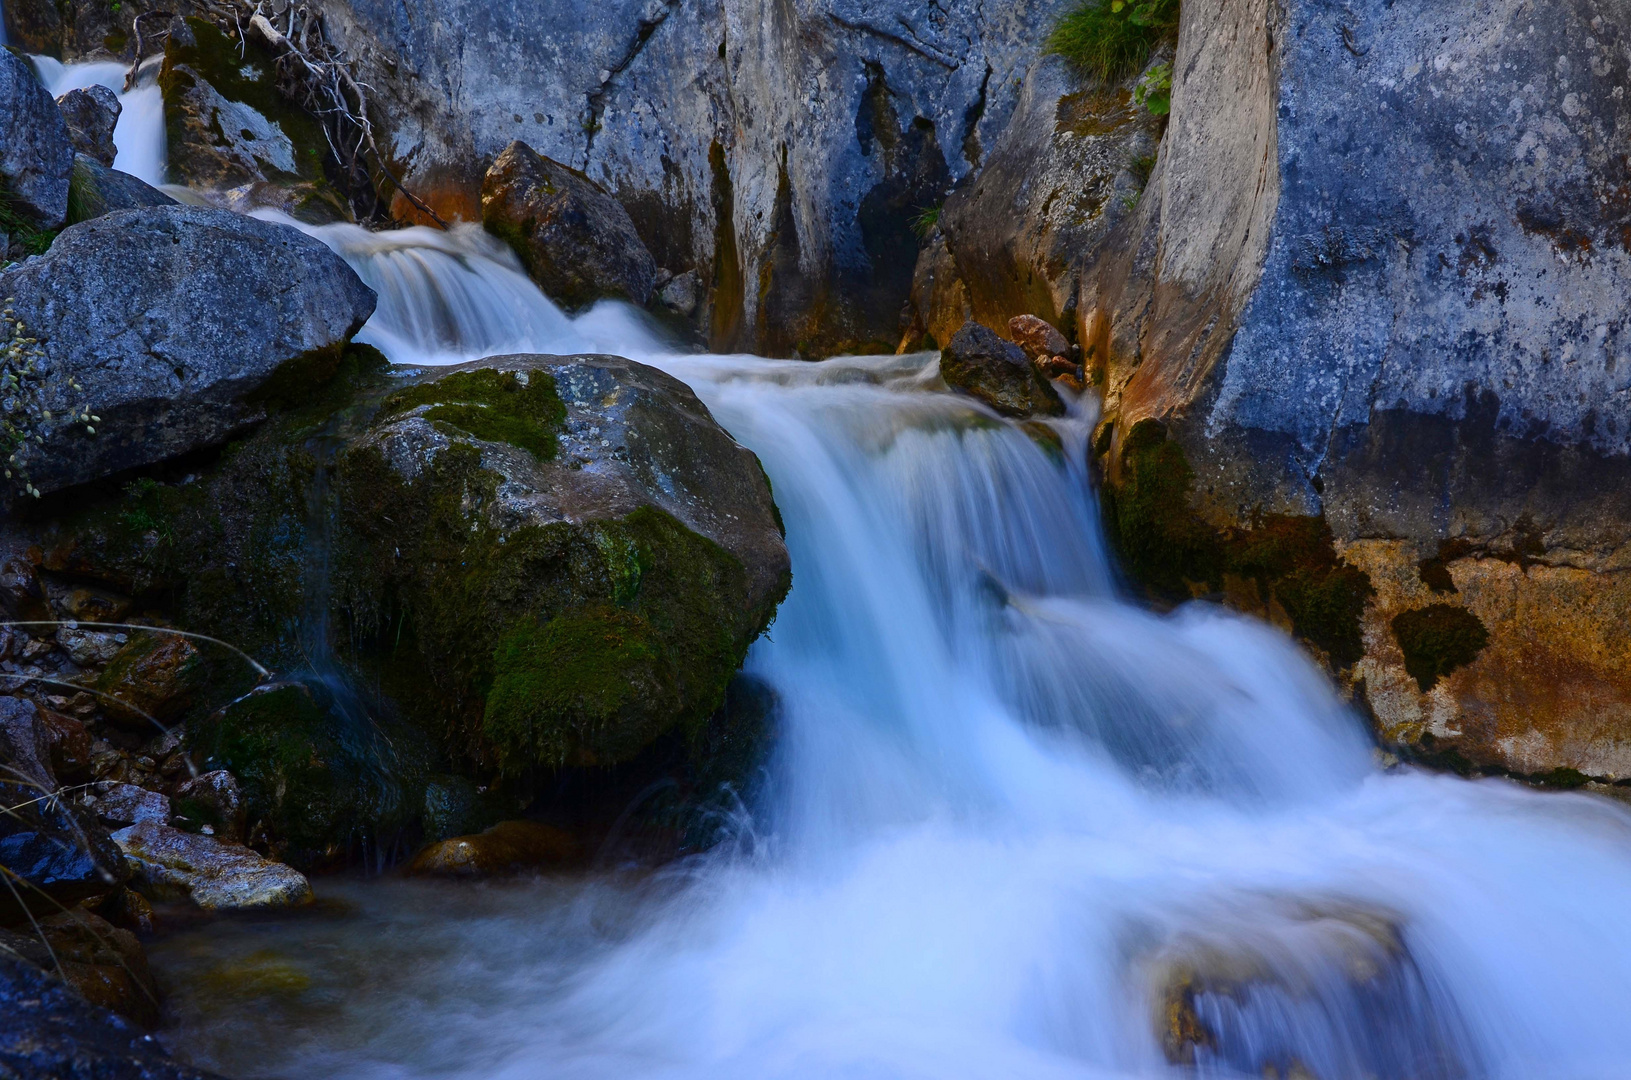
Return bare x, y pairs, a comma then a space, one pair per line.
35, 154
576, 241
170, 359
49, 1032
103, 963
979, 363
214, 875
91, 115
507, 848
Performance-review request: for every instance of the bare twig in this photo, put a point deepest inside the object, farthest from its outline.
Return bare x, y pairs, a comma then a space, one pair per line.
136, 64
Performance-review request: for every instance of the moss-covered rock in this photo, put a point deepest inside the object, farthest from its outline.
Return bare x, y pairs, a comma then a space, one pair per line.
1283, 564
1437, 639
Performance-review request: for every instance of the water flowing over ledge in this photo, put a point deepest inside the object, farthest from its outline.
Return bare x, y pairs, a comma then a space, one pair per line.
1015, 826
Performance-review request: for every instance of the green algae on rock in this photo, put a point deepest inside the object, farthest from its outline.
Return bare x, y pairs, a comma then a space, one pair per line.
495, 406
1437, 639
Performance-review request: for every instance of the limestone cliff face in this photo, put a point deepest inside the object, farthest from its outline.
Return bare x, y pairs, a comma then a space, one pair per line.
782, 149
1380, 277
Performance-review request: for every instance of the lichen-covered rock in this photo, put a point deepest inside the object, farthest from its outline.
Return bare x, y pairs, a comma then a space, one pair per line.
161, 331
979, 363
35, 155
169, 863
95, 189
225, 121
152, 677
49, 1032
506, 848
576, 241
119, 805
213, 801
580, 553
91, 114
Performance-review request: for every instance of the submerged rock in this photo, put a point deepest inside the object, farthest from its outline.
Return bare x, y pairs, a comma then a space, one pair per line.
49, 1032
508, 847
979, 363
576, 241
95, 189
169, 863
163, 330
91, 114
35, 155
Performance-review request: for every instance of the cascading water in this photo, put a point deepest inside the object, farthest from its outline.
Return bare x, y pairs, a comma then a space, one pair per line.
1015, 826
139, 134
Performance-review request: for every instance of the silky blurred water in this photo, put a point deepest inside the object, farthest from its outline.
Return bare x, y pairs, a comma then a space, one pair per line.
139, 134
1015, 827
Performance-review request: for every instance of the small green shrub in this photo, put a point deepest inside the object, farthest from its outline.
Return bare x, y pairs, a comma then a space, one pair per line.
1108, 39
1154, 90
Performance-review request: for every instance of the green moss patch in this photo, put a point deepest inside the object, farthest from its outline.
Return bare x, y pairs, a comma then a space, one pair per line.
1169, 548
1437, 639
496, 406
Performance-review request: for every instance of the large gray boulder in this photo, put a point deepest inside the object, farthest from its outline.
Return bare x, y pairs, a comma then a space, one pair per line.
35, 156
782, 151
148, 333
576, 241
1381, 280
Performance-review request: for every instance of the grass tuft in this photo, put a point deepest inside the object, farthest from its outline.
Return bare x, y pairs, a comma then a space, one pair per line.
1109, 39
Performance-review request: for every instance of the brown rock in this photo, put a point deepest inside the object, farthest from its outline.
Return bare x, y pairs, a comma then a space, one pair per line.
508, 847
155, 673
96, 605
979, 363
21, 598
576, 241
1038, 338
105, 964
69, 744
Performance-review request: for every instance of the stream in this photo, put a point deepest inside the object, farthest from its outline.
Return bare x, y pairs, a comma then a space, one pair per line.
1015, 826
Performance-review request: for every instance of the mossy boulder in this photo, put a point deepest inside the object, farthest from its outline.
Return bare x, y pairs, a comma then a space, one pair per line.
578, 553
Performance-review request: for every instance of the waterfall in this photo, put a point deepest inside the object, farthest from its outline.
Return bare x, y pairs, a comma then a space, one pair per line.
1016, 826
139, 135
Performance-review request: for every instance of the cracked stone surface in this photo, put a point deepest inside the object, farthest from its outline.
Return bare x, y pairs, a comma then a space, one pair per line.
780, 150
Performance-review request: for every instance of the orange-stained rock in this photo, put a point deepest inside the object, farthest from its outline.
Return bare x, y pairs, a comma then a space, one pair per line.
1037, 337
508, 847
155, 673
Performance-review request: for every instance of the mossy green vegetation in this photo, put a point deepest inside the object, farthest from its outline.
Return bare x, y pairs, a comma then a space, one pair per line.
25, 235
1437, 639
495, 406
1108, 39
318, 778
1176, 554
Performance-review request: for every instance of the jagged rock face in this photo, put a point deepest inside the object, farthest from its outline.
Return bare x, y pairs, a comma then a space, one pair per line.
91, 115
576, 241
163, 324
1017, 238
1377, 282
35, 156
782, 151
